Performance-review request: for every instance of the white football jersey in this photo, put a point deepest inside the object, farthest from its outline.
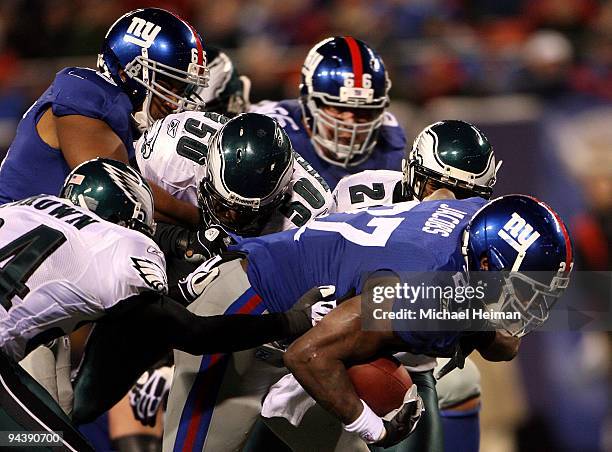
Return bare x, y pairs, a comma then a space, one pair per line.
172, 151
365, 189
61, 265
169, 152
309, 197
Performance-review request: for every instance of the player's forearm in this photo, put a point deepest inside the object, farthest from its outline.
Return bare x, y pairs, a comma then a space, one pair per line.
172, 239
230, 333
173, 208
317, 359
223, 333
326, 380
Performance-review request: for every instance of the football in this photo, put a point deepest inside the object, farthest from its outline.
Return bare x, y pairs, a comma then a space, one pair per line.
381, 383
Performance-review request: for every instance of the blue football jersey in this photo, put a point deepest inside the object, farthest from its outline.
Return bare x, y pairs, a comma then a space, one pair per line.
32, 167
387, 154
344, 249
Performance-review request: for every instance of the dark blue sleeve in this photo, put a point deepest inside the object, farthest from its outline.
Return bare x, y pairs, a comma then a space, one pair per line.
424, 335
80, 93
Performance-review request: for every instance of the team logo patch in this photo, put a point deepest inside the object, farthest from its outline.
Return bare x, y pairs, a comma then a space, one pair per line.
173, 127
518, 233
149, 138
211, 234
141, 32
151, 273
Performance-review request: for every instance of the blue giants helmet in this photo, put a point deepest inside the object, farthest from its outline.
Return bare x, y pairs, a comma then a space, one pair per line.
151, 51
344, 73
527, 243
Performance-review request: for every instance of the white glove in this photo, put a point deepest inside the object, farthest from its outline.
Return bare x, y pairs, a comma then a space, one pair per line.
149, 392
401, 422
321, 308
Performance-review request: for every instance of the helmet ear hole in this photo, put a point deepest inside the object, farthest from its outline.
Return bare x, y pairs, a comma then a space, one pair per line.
484, 262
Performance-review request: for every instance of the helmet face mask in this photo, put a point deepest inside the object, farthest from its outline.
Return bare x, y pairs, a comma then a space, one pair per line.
244, 220
346, 142
533, 300
450, 154
151, 52
113, 191
528, 256
246, 175
424, 182
344, 74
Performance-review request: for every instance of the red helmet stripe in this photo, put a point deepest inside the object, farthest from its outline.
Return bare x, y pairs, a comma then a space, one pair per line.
356, 58
198, 44
569, 258
196, 36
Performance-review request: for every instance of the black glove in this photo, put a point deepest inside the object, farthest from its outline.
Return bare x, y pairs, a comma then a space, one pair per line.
149, 392
202, 245
404, 421
309, 310
192, 246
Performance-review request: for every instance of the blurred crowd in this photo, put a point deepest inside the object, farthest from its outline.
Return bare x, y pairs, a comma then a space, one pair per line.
432, 47
558, 52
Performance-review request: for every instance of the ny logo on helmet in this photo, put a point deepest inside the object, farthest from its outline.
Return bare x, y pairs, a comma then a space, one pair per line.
141, 32
518, 233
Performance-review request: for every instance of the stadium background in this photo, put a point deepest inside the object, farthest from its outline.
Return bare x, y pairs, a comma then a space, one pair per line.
535, 76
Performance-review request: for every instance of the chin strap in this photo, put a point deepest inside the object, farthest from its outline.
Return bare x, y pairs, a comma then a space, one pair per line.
142, 117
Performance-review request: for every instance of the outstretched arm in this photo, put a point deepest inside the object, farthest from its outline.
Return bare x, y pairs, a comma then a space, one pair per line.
136, 335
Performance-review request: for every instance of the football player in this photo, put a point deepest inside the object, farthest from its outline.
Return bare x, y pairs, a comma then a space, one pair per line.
486, 245
340, 123
457, 156
216, 398
150, 64
452, 155
56, 277
243, 170
244, 176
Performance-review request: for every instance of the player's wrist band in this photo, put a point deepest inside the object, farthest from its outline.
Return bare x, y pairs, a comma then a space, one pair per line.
369, 426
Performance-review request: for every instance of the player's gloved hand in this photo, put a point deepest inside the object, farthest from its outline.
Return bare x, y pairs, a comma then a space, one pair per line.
319, 309
149, 392
310, 309
193, 246
401, 422
204, 244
